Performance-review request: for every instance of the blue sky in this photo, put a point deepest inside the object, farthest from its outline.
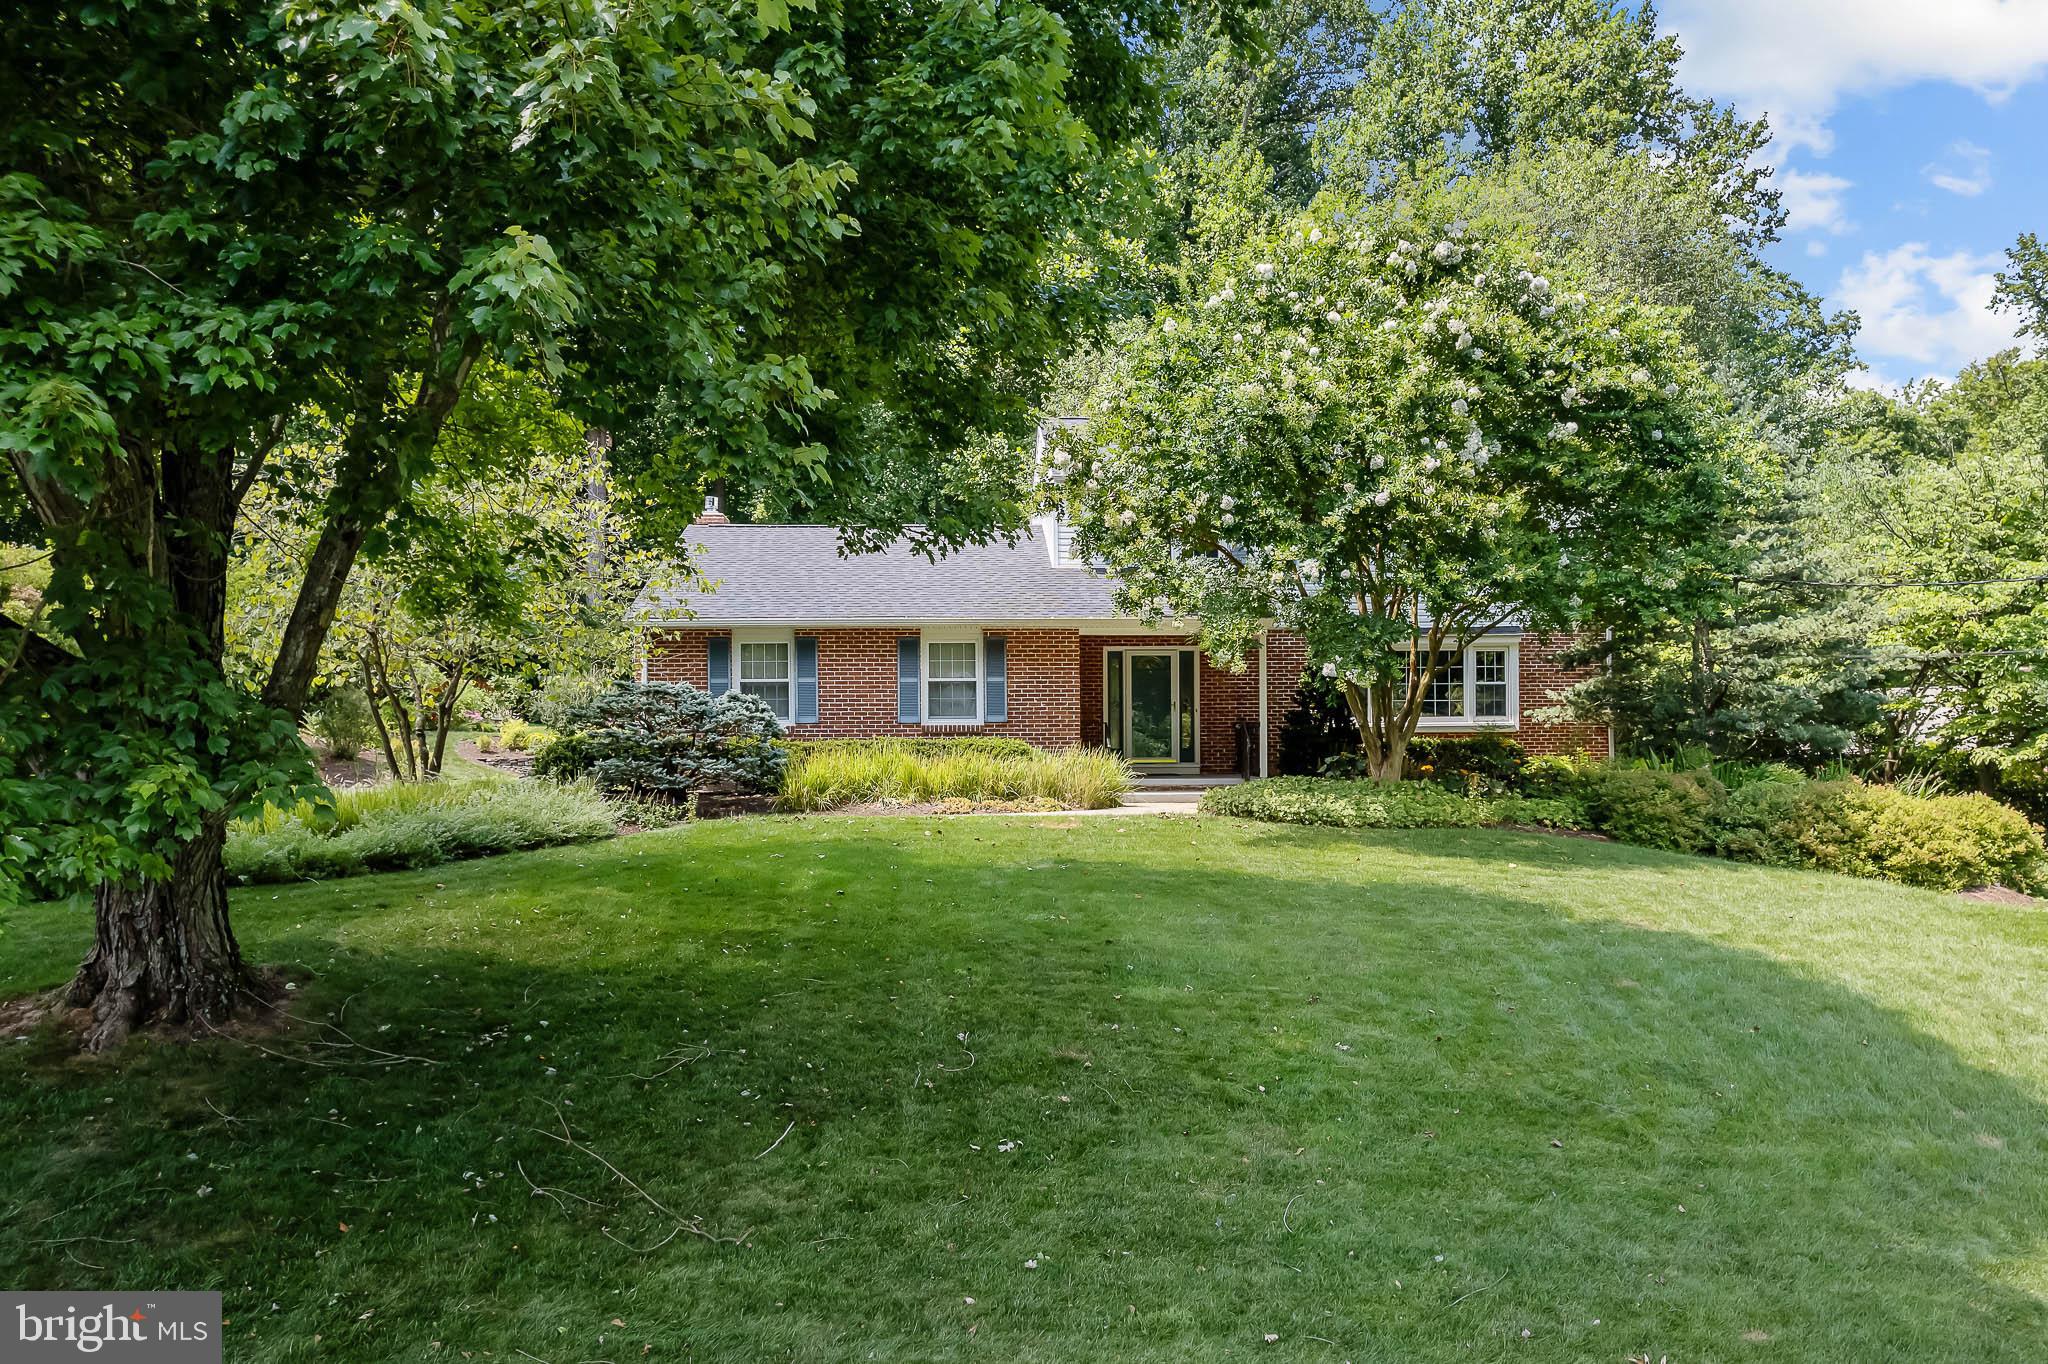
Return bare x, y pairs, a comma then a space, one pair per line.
1912, 147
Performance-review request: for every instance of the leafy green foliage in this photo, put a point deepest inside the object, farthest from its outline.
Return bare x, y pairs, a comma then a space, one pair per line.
831, 775
343, 723
667, 741
1941, 501
219, 226
1941, 842
1460, 761
510, 556
1373, 411
1669, 810
403, 825
1473, 83
1350, 804
1318, 730
2023, 287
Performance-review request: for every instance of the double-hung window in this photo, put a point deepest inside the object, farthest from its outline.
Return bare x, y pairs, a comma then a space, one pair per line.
1474, 688
952, 681
767, 670
1444, 696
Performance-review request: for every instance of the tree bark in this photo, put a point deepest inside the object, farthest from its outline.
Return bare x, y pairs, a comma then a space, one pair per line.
163, 951
1386, 747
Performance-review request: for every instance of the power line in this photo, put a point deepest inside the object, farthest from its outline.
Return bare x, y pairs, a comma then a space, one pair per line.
1882, 585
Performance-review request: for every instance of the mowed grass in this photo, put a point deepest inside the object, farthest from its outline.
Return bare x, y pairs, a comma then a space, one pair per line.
1436, 1095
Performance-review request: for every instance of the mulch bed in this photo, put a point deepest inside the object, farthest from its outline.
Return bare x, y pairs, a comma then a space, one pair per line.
342, 773
510, 762
1997, 895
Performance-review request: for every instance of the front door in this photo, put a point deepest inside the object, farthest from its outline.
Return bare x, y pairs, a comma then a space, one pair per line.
1149, 704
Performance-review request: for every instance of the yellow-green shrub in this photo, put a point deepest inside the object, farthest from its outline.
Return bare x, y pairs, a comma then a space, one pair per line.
518, 736
1941, 842
830, 776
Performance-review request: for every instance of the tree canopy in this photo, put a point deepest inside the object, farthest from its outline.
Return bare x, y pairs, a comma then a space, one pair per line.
1393, 435
224, 219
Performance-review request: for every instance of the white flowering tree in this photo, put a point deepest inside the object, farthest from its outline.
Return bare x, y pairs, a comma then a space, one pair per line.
1393, 436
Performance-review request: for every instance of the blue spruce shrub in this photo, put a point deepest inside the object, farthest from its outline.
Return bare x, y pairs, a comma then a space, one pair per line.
665, 741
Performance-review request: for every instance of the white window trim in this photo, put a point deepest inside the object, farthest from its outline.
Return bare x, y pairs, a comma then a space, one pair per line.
788, 637
1468, 721
927, 638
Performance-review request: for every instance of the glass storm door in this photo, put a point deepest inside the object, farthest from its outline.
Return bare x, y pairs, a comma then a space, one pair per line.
1152, 709
1150, 695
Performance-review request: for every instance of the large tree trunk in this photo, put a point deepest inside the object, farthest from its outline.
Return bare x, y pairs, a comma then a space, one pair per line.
164, 954
1385, 738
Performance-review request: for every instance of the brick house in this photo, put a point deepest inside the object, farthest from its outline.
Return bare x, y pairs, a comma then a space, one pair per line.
1020, 639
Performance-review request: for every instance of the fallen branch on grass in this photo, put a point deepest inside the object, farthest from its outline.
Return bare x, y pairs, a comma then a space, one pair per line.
693, 1225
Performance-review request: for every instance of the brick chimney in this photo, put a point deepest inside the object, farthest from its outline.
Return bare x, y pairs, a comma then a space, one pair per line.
711, 515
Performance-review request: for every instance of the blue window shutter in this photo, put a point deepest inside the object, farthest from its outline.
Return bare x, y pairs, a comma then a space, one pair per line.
807, 679
718, 664
995, 680
908, 711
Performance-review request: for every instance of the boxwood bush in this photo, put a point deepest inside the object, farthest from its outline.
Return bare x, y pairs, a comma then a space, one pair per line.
666, 741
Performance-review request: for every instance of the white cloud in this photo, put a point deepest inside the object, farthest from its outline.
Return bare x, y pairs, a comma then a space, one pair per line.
1795, 59
1933, 313
1813, 202
1974, 175
1816, 247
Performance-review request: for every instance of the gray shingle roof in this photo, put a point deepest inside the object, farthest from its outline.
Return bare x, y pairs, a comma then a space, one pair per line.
796, 575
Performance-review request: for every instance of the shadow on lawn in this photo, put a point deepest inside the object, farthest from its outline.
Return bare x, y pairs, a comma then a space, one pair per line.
1246, 1101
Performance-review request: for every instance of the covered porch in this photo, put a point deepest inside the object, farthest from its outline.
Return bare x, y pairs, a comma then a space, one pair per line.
1177, 718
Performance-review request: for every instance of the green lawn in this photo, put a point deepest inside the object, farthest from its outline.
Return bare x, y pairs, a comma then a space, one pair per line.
1453, 1096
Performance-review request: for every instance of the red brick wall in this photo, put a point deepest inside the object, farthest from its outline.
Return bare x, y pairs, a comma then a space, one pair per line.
1049, 705
857, 683
1544, 681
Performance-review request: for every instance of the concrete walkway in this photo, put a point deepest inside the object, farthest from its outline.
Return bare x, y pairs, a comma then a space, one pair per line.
1136, 803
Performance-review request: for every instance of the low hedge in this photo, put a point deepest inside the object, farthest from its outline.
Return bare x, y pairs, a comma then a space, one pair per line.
1937, 842
1669, 810
394, 827
1385, 805
1940, 842
1350, 804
